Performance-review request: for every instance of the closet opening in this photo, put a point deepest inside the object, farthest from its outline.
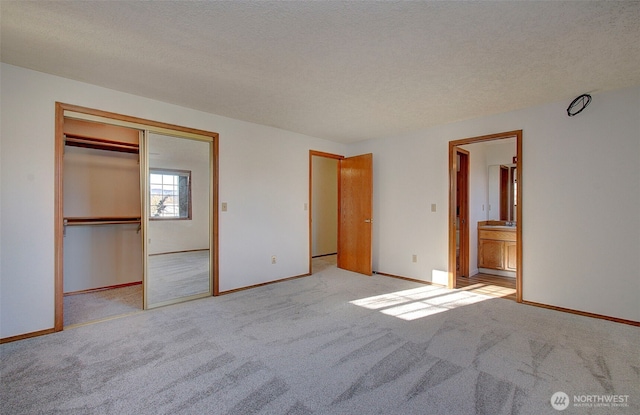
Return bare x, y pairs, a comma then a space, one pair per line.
102, 243
136, 215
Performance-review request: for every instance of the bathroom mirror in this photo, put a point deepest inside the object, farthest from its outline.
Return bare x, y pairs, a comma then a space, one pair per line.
178, 218
503, 188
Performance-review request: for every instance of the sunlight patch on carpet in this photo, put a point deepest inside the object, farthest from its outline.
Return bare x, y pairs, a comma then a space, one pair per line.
418, 302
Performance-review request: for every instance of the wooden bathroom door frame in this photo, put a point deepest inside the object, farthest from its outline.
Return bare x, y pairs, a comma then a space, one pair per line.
453, 146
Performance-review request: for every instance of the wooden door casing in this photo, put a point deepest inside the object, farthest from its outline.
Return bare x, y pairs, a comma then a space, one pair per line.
453, 146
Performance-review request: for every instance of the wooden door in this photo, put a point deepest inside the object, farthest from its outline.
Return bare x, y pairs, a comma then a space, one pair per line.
504, 193
462, 213
356, 214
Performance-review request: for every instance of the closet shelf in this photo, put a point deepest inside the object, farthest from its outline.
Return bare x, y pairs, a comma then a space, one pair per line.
101, 220
100, 144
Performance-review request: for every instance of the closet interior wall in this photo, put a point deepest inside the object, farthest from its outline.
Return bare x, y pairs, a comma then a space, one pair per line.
102, 207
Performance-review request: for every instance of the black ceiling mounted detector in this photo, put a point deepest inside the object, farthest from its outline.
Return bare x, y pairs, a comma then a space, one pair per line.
578, 104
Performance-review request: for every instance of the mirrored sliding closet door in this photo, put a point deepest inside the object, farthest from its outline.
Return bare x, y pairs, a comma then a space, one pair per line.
178, 218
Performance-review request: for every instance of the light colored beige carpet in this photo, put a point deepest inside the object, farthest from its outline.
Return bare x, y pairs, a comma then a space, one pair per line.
321, 263
331, 343
177, 275
98, 305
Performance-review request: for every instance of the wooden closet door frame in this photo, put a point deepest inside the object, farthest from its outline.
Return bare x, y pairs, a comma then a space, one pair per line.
60, 109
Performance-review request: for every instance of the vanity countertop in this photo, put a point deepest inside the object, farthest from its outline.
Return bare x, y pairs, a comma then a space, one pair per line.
497, 227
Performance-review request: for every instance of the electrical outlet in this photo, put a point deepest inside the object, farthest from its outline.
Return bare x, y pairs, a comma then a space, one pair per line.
224, 206
414, 258
273, 259
433, 207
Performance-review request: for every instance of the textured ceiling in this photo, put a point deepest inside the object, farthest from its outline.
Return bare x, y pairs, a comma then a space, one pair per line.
344, 71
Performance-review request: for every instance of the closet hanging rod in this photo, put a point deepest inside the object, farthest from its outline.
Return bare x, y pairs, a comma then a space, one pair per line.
76, 140
100, 221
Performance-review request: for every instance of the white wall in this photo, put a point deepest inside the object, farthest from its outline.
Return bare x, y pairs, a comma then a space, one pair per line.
101, 256
98, 184
581, 201
264, 178
324, 226
500, 151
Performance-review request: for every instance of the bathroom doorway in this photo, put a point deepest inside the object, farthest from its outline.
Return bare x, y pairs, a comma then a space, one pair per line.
462, 239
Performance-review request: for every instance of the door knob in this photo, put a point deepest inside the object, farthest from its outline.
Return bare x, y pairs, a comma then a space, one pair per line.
368, 220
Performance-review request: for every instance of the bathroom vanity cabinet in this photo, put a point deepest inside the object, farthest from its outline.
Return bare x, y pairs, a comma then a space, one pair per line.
497, 247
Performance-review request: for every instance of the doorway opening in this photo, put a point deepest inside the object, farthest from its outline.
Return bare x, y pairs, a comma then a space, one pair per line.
478, 227
324, 207
354, 211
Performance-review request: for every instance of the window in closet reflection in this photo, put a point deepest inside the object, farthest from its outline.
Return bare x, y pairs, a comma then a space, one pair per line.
169, 194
